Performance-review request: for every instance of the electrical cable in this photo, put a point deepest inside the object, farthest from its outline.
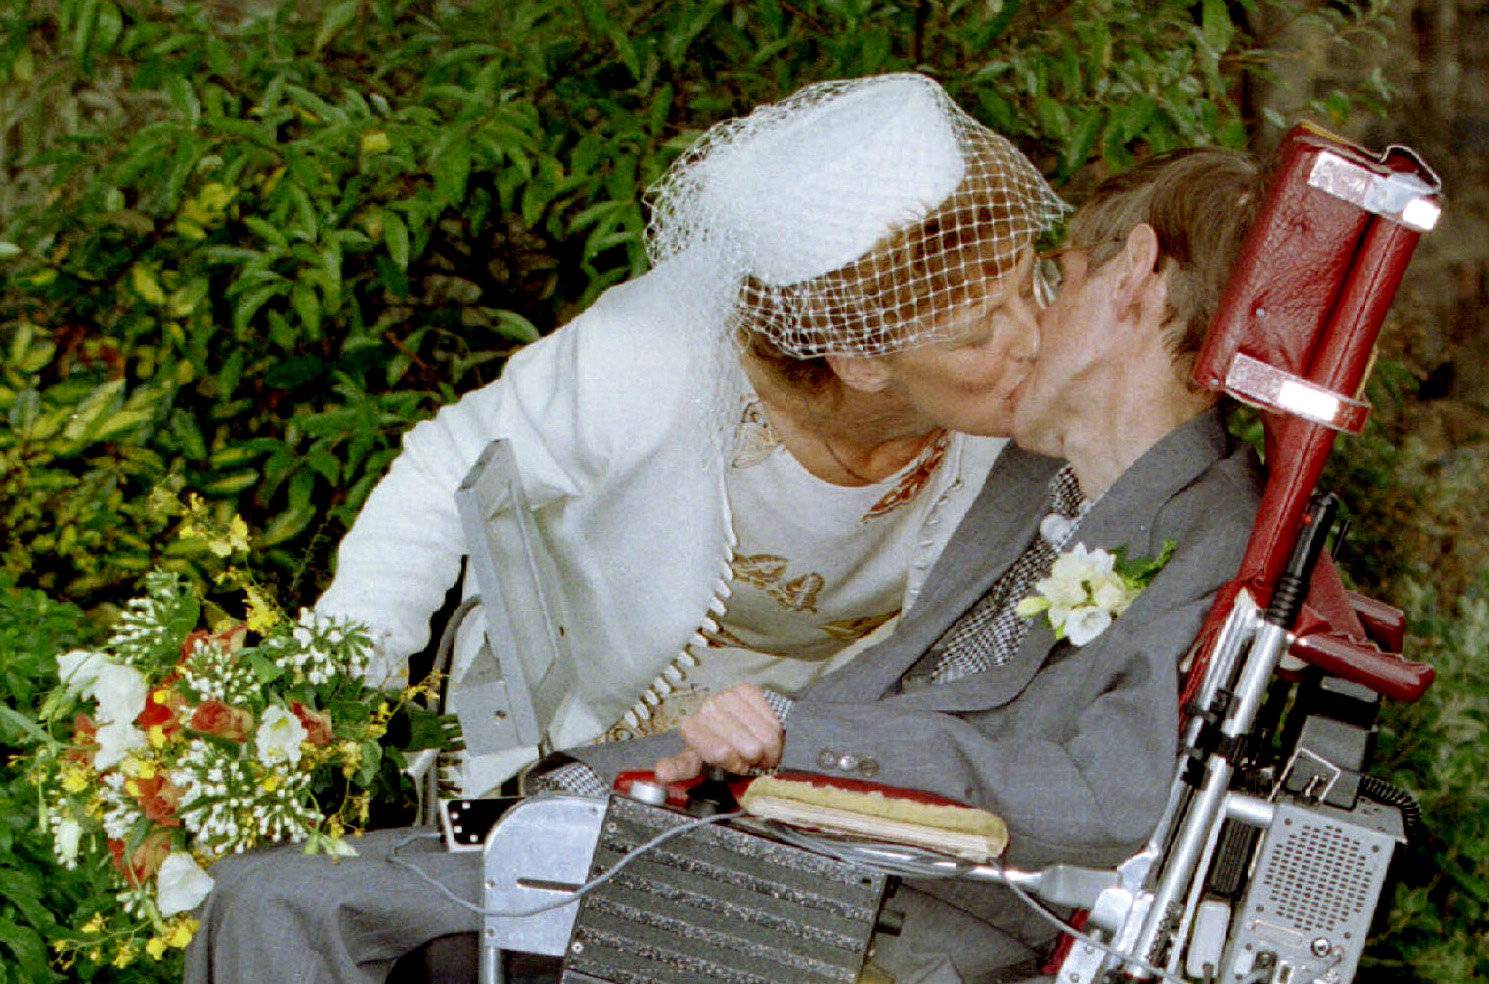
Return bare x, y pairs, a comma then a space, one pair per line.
921, 863
666, 835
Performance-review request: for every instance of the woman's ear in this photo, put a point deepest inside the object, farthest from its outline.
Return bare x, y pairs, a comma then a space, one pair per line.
864, 373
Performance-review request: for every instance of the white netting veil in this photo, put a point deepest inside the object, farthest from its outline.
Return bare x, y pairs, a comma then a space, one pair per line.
855, 217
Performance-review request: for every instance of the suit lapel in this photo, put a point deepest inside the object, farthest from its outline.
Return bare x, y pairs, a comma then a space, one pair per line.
1123, 517
996, 528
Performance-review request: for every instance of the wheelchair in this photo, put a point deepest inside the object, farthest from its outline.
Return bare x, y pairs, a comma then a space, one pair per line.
1274, 846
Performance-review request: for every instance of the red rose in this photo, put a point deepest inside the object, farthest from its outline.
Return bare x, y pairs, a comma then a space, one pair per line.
167, 714
317, 724
84, 740
158, 799
216, 718
146, 859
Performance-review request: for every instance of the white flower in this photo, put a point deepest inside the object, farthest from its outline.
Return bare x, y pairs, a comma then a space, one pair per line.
1112, 594
69, 832
116, 740
278, 737
120, 692
1086, 623
1080, 564
181, 884
78, 668
1065, 592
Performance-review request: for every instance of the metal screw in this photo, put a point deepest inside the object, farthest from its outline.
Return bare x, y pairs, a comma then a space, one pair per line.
1320, 947
490, 884
577, 947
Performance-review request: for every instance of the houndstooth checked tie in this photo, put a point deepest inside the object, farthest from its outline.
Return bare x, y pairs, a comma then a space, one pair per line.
990, 632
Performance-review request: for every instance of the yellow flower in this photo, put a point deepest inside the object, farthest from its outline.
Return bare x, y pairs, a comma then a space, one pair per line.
125, 955
157, 736
269, 783
94, 925
155, 947
237, 534
74, 779
137, 768
261, 614
182, 933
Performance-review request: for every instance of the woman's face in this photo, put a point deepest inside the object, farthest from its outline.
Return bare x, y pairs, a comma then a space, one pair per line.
967, 384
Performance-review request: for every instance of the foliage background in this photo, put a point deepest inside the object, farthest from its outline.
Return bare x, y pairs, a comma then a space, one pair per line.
242, 254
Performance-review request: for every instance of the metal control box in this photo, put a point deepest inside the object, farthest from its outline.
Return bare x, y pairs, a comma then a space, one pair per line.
1313, 893
718, 904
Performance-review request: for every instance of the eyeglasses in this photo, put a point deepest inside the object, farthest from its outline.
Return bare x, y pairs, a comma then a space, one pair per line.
1047, 279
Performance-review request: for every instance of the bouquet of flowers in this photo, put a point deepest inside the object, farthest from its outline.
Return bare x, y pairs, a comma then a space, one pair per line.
188, 744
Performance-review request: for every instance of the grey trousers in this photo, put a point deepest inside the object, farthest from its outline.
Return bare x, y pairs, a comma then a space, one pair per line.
279, 917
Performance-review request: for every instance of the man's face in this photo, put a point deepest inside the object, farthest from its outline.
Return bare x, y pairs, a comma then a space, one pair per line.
1073, 331
967, 384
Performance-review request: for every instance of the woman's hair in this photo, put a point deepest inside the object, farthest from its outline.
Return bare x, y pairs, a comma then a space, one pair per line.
1201, 203
926, 271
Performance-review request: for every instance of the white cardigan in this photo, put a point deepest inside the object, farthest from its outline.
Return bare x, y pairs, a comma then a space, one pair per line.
604, 419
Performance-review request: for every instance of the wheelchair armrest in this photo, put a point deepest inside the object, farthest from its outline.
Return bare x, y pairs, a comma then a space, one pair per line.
1364, 663
1386, 624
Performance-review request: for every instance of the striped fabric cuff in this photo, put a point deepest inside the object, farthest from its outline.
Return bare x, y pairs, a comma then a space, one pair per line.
781, 704
576, 777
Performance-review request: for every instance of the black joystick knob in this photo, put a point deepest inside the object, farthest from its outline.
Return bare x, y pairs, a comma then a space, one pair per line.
712, 796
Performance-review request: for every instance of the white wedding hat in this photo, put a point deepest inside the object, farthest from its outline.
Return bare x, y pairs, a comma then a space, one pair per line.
796, 192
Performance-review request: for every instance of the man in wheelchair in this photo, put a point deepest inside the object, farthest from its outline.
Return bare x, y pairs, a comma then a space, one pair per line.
1059, 713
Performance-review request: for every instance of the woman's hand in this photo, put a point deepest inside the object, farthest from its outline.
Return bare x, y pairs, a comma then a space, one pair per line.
735, 730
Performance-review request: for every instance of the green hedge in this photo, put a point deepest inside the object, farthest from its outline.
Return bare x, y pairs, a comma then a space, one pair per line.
253, 255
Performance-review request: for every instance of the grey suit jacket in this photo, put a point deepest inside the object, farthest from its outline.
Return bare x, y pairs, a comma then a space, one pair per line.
1072, 746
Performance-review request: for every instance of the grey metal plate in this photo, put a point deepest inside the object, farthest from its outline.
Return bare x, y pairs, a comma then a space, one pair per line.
719, 904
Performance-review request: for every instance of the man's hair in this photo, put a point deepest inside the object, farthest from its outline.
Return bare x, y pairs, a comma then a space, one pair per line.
1201, 203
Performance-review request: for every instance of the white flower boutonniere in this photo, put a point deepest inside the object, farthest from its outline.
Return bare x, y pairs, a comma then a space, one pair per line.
1088, 589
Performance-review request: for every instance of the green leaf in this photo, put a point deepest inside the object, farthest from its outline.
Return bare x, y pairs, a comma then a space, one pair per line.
101, 401
29, 949
307, 305
248, 305
427, 729
336, 17
14, 725
228, 486
183, 97
188, 435
1216, 26
1053, 118
142, 279
1082, 142
265, 671
372, 757
395, 237
451, 167
515, 326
